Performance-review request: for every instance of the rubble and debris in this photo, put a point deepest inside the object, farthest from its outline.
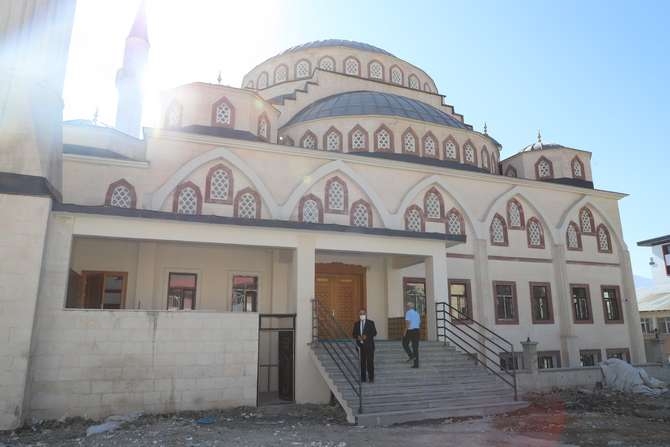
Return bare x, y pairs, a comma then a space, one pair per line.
102, 428
622, 376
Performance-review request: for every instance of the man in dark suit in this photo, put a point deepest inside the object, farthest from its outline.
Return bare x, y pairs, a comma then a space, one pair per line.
364, 333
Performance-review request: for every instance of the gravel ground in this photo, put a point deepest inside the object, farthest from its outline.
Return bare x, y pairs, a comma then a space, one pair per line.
565, 418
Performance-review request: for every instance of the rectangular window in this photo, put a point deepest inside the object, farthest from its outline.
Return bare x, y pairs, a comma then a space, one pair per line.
663, 325
414, 291
646, 325
618, 353
459, 297
590, 357
540, 301
548, 359
505, 302
245, 293
581, 303
666, 258
612, 304
506, 363
97, 290
181, 291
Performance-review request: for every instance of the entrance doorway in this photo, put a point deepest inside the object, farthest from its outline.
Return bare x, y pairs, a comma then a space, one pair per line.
341, 289
276, 349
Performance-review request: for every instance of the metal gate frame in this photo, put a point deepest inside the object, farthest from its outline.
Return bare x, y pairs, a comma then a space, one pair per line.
271, 365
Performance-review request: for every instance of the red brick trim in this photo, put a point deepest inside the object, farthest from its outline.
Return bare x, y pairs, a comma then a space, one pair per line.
327, 57
258, 80
223, 100
382, 65
474, 153
325, 139
344, 66
309, 69
618, 300
586, 210
588, 303
418, 209
353, 207
460, 217
269, 130
485, 156
504, 225
609, 239
238, 196
177, 191
468, 300
435, 191
305, 135
402, 75
577, 160
366, 136
166, 122
579, 247
391, 138
436, 142
511, 172
417, 142
327, 196
121, 182
537, 170
274, 74
458, 149
515, 302
208, 185
549, 302
534, 220
522, 217
318, 204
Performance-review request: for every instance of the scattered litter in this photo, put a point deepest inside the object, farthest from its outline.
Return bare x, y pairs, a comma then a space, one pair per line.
102, 428
130, 417
207, 420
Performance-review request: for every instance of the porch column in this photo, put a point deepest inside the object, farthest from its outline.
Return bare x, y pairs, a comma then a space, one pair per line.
436, 288
563, 304
631, 312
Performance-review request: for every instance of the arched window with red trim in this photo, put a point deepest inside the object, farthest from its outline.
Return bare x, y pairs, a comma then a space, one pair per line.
121, 194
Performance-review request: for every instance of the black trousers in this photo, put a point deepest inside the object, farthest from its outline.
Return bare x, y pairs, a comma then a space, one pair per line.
367, 355
412, 336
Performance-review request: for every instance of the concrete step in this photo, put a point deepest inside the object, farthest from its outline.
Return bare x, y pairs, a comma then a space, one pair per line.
428, 397
379, 407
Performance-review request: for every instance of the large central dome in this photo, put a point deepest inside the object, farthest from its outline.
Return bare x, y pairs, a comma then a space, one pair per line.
374, 103
336, 43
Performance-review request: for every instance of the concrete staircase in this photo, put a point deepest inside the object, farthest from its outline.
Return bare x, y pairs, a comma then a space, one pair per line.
447, 384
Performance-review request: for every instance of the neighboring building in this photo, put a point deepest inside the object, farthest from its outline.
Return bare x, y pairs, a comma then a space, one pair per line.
337, 171
654, 301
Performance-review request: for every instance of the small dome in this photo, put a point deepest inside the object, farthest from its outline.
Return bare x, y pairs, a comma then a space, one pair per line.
374, 103
539, 145
336, 43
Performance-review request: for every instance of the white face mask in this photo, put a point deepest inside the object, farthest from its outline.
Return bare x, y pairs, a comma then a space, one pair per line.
362, 317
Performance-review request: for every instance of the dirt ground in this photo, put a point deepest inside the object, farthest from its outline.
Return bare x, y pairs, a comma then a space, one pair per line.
559, 419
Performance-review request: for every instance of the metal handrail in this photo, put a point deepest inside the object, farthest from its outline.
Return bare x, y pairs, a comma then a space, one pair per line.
327, 332
448, 329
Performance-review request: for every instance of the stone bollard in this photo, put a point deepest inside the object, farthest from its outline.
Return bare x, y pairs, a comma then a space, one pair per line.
530, 355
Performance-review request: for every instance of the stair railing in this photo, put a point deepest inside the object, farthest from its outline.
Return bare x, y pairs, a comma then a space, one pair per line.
339, 345
473, 337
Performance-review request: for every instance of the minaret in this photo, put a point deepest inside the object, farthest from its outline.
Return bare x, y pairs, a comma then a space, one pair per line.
129, 77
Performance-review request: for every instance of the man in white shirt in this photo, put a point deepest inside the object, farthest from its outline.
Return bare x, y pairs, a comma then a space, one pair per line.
412, 334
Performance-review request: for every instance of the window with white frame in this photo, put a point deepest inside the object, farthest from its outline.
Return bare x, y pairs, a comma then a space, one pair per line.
383, 140
498, 231
224, 113
429, 146
352, 67
359, 140
586, 221
450, 150
604, 244
281, 74
302, 69
514, 214
413, 82
333, 141
469, 153
219, 185
454, 223
310, 211
409, 142
535, 237
336, 195
572, 237
647, 326
247, 207
360, 215
577, 169
413, 219
309, 141
187, 201
327, 63
433, 206
663, 325
544, 169
376, 70
121, 197
396, 75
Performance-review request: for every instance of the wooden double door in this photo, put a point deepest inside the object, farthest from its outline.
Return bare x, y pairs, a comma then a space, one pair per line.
341, 289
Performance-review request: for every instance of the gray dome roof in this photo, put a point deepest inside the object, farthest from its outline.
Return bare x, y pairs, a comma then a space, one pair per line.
336, 43
374, 103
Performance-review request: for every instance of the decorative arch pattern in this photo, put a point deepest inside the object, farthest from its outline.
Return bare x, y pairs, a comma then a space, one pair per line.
264, 127
573, 238
219, 185
310, 209
430, 146
515, 215
498, 231
534, 233
577, 168
396, 75
485, 158
327, 63
247, 204
544, 169
358, 139
469, 153
413, 82
337, 196
376, 70
510, 171
451, 149
121, 194
586, 221
360, 214
187, 199
308, 140
414, 219
604, 239
223, 113
409, 142
433, 204
332, 140
352, 66
383, 139
302, 69
454, 222
281, 73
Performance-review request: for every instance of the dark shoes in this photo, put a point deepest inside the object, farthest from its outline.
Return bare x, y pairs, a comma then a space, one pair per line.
409, 359
415, 366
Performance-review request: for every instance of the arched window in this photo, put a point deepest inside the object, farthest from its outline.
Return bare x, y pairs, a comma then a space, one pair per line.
494, 164
336, 196
573, 239
250, 84
248, 204
332, 140
219, 186
510, 171
426, 87
302, 69
286, 140
308, 141
586, 221
121, 194
396, 75
498, 231
352, 66
577, 168
173, 115
223, 113
544, 169
310, 209
414, 219
469, 153
430, 146
358, 139
187, 199
454, 222
409, 142
485, 158
534, 233
604, 240
262, 81
433, 205
327, 63
376, 70
264, 127
414, 82
281, 73
383, 139
451, 149
361, 214
515, 216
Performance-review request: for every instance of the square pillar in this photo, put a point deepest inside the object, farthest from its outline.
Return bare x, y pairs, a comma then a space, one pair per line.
436, 288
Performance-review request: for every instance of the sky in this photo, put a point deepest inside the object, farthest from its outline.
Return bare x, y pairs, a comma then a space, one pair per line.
588, 74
